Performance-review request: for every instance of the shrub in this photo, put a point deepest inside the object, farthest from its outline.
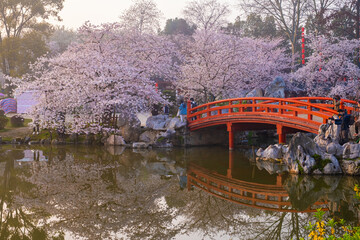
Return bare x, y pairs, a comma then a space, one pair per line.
3, 121
17, 121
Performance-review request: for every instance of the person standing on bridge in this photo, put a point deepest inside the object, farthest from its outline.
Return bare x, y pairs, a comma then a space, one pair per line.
336, 102
193, 104
356, 115
182, 111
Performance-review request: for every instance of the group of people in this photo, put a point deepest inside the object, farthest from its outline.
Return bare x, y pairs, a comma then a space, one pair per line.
183, 109
345, 120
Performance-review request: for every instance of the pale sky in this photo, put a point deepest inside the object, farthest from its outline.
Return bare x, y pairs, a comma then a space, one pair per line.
76, 12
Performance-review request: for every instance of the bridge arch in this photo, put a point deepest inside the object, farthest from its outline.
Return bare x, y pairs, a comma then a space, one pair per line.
288, 115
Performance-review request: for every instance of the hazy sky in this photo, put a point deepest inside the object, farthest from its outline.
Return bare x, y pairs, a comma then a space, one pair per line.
76, 12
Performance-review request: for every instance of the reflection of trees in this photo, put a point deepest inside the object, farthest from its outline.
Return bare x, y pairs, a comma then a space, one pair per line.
97, 194
16, 221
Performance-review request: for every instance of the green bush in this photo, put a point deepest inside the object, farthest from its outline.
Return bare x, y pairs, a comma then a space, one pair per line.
17, 121
3, 121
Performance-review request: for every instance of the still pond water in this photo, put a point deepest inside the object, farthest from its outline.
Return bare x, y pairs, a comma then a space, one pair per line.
195, 193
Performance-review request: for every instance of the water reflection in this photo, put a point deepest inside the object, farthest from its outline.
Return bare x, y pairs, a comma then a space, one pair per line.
117, 193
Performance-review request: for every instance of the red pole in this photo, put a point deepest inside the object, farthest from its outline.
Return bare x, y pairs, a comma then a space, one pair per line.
303, 45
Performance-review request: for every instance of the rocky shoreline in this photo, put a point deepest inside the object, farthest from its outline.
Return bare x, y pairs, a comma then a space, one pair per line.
321, 155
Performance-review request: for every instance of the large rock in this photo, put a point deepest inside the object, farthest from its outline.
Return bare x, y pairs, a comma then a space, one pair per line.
115, 140
276, 88
130, 130
300, 151
334, 148
256, 92
175, 123
351, 151
333, 132
351, 167
333, 167
149, 136
157, 122
272, 152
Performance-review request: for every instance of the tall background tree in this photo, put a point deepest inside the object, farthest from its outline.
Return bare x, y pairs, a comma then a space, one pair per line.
206, 14
288, 15
178, 26
143, 16
24, 32
254, 26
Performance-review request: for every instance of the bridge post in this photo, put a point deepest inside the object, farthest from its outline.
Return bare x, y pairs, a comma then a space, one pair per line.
231, 164
188, 111
231, 136
282, 135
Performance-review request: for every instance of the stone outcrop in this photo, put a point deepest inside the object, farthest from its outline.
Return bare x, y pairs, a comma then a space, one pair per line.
130, 130
276, 88
351, 167
303, 155
157, 122
256, 92
351, 151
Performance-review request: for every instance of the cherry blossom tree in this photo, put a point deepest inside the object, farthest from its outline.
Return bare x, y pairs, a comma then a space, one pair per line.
107, 70
222, 66
331, 68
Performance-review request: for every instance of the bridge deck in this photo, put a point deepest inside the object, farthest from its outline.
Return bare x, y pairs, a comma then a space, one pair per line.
287, 114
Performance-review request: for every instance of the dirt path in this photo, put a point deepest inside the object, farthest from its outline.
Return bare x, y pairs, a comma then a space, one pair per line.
17, 132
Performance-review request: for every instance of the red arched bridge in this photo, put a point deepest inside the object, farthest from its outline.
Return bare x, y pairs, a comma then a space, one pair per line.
286, 115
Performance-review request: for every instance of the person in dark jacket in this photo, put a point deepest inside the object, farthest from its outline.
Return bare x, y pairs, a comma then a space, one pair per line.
336, 102
345, 122
193, 104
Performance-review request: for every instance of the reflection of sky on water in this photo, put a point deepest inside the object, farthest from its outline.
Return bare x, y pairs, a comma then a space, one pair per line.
31, 155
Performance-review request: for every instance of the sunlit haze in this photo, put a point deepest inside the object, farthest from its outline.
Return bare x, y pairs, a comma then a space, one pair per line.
76, 12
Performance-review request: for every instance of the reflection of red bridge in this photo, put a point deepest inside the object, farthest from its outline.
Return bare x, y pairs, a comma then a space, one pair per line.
263, 196
288, 115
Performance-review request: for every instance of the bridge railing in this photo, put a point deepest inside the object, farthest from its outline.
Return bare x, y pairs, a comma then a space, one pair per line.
304, 108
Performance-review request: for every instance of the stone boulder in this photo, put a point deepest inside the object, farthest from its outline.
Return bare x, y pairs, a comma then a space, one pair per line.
351, 167
272, 152
130, 130
164, 140
157, 122
256, 92
333, 167
175, 123
149, 136
333, 132
334, 148
115, 140
276, 88
351, 151
300, 151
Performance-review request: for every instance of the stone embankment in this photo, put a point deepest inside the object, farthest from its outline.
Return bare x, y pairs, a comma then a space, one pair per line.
321, 155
